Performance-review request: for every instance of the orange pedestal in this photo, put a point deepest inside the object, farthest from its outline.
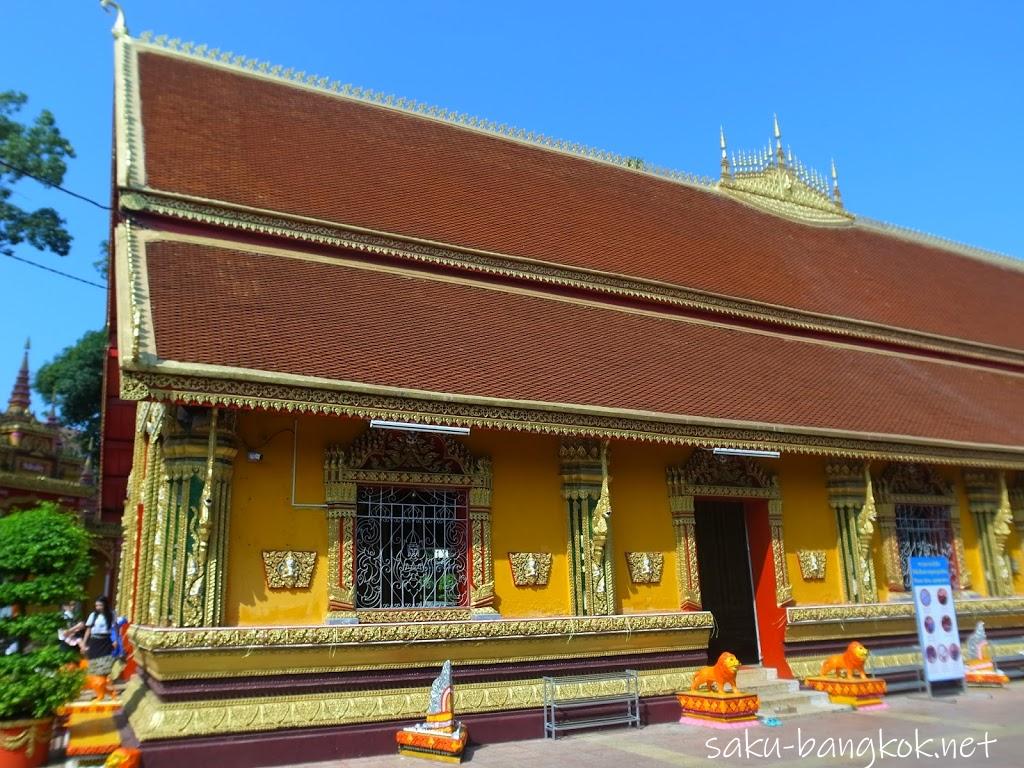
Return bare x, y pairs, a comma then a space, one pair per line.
433, 745
710, 707
856, 691
985, 674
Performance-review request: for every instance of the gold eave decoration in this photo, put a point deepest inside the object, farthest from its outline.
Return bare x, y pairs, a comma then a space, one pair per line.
288, 569
645, 567
812, 564
530, 569
776, 182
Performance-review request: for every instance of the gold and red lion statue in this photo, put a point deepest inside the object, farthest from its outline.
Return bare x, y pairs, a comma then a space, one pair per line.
851, 662
716, 677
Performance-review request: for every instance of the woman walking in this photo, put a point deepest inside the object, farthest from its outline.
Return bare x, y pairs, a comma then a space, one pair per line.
97, 642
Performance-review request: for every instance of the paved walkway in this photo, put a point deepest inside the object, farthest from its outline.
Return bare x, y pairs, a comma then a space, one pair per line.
875, 739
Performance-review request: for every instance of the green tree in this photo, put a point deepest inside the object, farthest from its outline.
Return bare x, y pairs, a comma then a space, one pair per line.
74, 379
44, 561
37, 150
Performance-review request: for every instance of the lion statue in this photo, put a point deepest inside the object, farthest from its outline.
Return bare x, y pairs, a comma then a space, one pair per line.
851, 662
715, 678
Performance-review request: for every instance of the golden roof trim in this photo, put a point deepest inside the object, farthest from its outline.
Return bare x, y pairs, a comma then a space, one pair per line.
236, 388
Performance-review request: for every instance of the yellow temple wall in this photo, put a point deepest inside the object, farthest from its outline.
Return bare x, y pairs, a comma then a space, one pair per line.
1013, 547
642, 522
262, 516
809, 523
527, 515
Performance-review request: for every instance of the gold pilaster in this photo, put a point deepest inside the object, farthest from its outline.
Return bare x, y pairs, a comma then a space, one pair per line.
584, 467
989, 502
851, 497
199, 451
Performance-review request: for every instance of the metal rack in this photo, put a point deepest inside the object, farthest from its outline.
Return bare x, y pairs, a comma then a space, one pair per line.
611, 698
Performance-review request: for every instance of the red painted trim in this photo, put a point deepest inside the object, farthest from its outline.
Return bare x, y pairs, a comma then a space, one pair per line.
771, 619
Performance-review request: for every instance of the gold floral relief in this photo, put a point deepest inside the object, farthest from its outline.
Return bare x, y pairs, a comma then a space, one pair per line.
812, 564
530, 569
645, 567
288, 569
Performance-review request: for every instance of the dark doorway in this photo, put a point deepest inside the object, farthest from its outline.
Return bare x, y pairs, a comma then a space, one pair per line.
724, 565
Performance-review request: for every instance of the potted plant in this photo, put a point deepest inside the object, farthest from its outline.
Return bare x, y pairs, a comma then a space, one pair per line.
44, 561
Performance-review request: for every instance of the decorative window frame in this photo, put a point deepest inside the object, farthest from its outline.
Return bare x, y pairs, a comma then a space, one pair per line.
705, 474
851, 497
922, 485
412, 459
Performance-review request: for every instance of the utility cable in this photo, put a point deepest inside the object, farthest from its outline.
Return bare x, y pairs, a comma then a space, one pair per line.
44, 182
51, 269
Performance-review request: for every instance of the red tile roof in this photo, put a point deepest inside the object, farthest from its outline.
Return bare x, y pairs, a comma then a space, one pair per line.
225, 135
227, 307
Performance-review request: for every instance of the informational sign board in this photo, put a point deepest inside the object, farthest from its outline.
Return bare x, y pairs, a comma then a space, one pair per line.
936, 619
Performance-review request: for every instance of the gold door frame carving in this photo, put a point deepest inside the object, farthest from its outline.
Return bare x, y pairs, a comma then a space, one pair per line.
393, 457
989, 501
921, 484
851, 496
705, 474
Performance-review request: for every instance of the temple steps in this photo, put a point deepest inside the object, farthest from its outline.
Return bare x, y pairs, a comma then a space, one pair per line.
783, 698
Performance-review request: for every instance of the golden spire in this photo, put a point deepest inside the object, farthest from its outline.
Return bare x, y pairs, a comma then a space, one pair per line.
21, 394
725, 159
837, 198
779, 154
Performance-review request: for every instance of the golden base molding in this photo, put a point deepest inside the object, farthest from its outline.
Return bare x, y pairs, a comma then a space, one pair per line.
826, 622
809, 666
183, 653
151, 718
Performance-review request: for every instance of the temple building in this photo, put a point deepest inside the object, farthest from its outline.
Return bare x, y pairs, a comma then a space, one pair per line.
391, 385
42, 461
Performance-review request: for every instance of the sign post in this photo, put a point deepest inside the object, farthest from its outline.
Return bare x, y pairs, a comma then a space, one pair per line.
937, 630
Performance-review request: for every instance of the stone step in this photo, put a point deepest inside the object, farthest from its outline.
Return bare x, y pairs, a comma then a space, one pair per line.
756, 673
771, 688
804, 710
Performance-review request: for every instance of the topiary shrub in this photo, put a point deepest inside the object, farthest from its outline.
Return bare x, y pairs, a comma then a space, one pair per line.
44, 561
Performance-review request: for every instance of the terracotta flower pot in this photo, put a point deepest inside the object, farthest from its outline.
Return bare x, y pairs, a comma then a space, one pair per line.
25, 743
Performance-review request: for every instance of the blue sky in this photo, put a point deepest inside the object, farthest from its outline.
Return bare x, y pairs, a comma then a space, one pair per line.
920, 103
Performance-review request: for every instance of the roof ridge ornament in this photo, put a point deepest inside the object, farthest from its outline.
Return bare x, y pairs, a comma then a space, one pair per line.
775, 180
120, 29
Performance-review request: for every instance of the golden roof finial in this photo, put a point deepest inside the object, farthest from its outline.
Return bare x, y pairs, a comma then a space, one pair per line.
780, 155
837, 197
725, 159
120, 29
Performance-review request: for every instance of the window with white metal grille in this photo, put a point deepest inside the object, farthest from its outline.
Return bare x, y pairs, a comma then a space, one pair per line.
411, 546
925, 531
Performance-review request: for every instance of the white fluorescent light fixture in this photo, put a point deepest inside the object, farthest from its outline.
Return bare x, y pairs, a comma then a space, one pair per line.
411, 427
745, 452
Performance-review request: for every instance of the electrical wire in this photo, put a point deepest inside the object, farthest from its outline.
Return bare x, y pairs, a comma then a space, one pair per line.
51, 269
45, 183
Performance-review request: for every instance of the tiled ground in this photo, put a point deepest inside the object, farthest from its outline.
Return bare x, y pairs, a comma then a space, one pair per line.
998, 714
